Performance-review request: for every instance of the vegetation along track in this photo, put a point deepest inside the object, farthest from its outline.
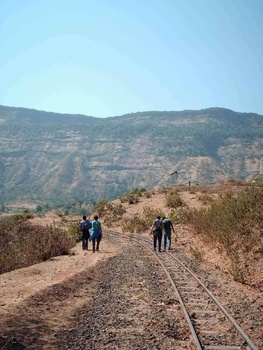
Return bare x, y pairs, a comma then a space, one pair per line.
211, 326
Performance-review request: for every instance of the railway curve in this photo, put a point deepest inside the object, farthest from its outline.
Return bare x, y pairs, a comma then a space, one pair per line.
211, 325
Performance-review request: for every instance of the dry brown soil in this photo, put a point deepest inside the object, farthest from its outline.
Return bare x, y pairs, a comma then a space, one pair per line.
117, 298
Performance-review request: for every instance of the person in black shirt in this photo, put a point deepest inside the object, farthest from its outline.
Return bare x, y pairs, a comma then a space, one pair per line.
157, 231
84, 226
168, 228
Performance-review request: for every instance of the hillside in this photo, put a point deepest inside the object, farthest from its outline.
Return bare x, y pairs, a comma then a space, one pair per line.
50, 157
236, 247
35, 299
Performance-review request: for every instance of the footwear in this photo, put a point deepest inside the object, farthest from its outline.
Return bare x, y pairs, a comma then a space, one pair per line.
154, 250
160, 251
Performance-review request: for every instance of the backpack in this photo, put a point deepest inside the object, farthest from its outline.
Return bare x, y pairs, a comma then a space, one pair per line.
157, 223
86, 225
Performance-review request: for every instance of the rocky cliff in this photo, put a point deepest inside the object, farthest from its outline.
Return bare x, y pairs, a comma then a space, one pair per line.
53, 157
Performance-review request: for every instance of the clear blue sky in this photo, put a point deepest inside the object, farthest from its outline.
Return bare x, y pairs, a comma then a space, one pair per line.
111, 57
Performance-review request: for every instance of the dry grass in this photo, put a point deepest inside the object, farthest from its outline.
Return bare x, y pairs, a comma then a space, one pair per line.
141, 223
227, 219
229, 216
23, 243
236, 222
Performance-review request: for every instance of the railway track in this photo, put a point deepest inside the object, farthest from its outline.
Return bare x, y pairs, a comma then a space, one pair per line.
211, 326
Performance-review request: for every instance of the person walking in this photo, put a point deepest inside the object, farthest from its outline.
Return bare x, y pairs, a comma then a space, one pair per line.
156, 231
96, 234
167, 227
84, 226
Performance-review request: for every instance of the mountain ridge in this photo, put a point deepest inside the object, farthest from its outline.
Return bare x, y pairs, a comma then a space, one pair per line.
46, 156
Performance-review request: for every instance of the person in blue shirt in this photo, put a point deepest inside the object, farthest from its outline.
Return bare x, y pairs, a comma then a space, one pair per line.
96, 234
168, 228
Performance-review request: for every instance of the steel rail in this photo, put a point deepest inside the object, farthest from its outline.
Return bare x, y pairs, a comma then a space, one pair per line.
219, 305
188, 320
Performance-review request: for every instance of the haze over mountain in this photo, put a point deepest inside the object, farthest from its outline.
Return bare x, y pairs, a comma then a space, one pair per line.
53, 157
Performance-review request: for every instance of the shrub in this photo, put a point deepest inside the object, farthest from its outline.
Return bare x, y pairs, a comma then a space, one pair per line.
230, 215
117, 209
166, 189
235, 222
234, 182
181, 215
173, 200
130, 198
205, 198
257, 181
135, 224
133, 196
23, 243
101, 207
142, 223
109, 210
148, 194
74, 233
150, 214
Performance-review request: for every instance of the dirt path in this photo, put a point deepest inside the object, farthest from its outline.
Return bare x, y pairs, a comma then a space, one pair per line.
117, 299
38, 292
132, 308
121, 302
17, 285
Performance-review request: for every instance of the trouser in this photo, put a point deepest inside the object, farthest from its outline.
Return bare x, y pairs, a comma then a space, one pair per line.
85, 239
167, 237
157, 238
95, 242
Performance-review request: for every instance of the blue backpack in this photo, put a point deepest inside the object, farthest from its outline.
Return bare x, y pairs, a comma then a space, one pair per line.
86, 225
